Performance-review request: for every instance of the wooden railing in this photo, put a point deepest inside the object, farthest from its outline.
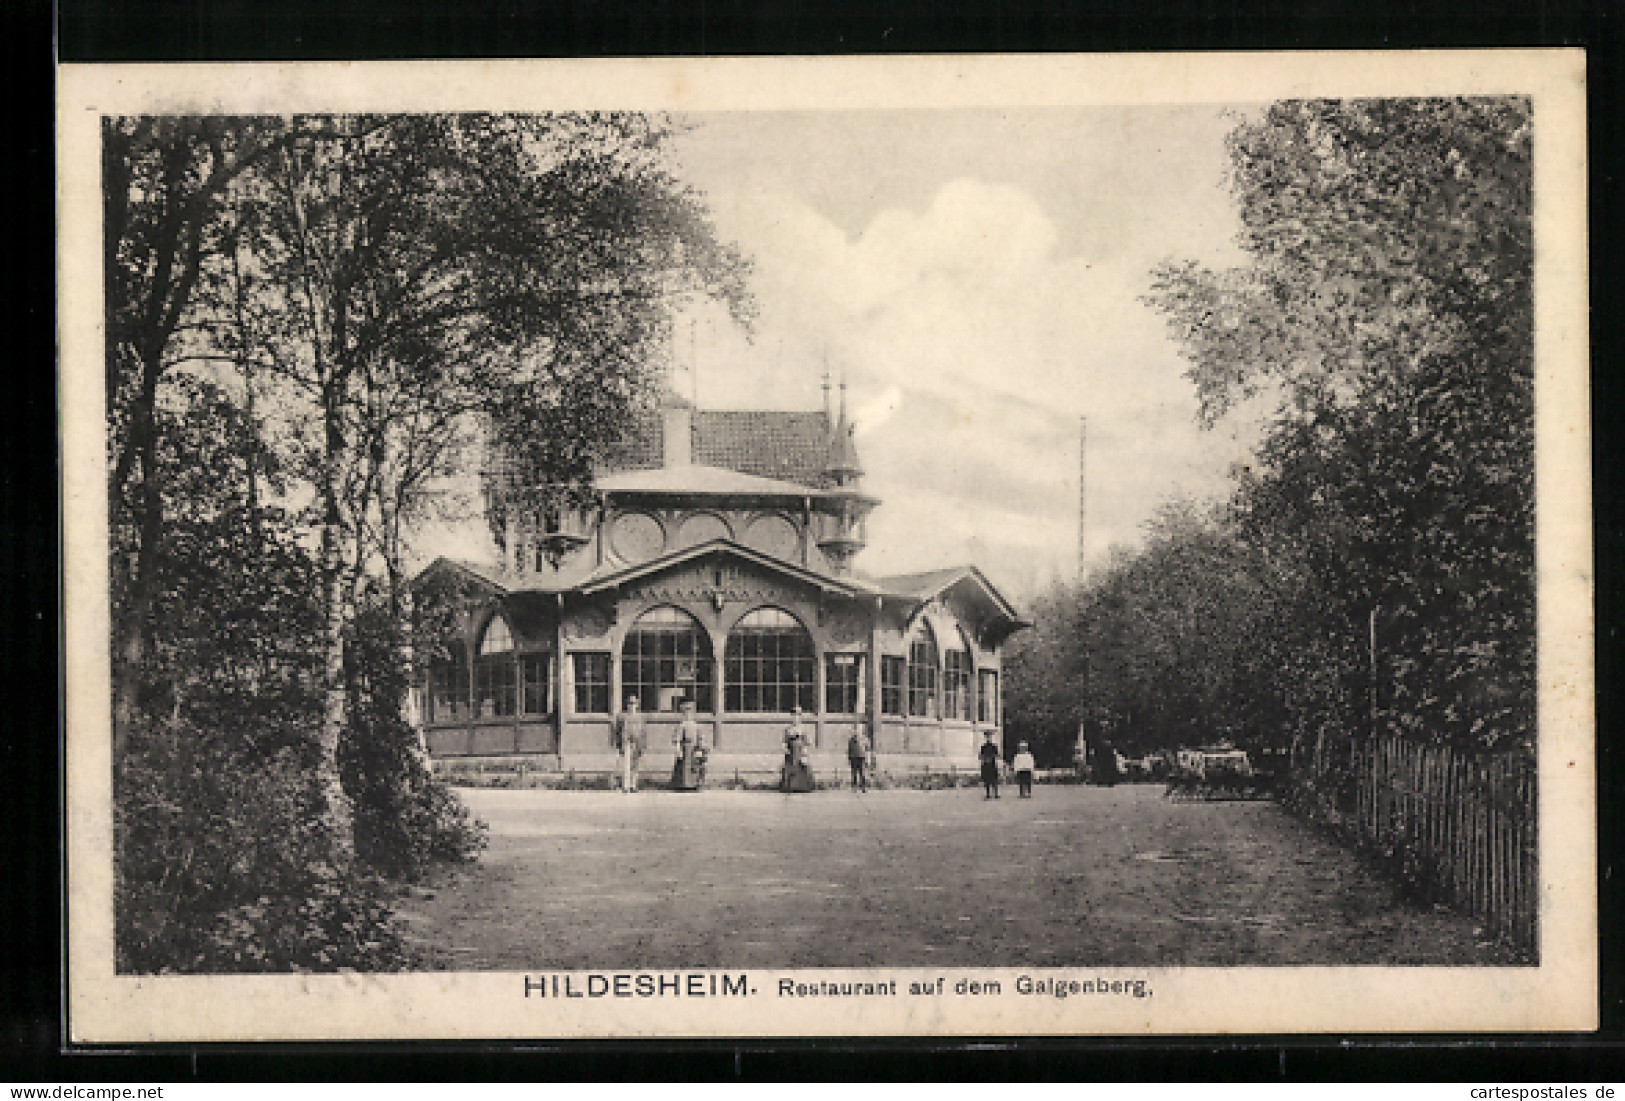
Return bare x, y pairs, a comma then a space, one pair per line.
1457, 826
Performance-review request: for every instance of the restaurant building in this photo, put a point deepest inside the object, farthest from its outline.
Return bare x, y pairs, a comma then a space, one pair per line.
716, 565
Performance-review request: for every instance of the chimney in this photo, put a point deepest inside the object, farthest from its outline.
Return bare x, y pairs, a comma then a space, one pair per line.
677, 419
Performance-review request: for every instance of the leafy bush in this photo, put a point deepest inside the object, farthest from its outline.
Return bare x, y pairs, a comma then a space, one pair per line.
405, 817
222, 865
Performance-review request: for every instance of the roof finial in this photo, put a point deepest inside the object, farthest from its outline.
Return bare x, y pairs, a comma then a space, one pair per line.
843, 397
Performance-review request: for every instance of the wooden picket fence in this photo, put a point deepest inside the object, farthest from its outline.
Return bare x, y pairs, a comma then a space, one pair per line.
1458, 826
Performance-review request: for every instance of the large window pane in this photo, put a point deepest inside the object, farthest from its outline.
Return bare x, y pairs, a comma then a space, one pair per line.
769, 658
497, 638
448, 686
955, 684
987, 697
494, 686
591, 676
844, 684
665, 660
922, 674
496, 682
893, 675
536, 679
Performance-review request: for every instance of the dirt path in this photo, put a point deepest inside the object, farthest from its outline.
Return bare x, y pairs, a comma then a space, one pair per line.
1074, 876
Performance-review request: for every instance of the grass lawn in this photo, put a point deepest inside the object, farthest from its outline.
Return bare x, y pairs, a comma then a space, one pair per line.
1075, 876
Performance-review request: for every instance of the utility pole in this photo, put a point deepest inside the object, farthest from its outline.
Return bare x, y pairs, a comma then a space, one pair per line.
1082, 749
1372, 641
1083, 485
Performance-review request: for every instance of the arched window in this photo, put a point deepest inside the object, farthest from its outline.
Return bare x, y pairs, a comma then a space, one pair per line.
922, 673
495, 681
665, 660
448, 685
768, 664
497, 638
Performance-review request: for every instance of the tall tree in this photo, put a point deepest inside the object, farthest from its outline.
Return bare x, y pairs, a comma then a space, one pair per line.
1045, 670
164, 182
1387, 306
433, 268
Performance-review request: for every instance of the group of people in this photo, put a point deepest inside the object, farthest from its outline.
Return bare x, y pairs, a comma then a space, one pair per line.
691, 753
1021, 765
688, 739
797, 774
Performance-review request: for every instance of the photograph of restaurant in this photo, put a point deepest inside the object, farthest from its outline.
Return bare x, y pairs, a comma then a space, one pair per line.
716, 566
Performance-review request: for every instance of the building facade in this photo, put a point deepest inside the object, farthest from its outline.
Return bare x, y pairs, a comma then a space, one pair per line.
715, 566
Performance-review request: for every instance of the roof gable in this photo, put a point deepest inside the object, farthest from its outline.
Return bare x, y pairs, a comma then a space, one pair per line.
921, 585
967, 580
722, 548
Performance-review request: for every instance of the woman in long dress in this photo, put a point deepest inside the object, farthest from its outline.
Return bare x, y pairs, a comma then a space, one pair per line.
688, 769
797, 774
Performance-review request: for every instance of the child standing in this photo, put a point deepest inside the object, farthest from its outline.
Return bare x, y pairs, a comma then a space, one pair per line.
857, 755
1023, 764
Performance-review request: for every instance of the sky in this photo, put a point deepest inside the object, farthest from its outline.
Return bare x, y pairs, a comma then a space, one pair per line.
976, 277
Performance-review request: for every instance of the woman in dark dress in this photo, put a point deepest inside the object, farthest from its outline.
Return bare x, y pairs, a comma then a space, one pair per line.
688, 768
797, 774
990, 767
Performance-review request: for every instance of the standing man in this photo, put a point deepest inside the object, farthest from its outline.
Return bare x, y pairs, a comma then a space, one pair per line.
630, 738
857, 755
989, 754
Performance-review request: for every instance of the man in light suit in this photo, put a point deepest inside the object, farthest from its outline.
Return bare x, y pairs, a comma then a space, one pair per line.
630, 738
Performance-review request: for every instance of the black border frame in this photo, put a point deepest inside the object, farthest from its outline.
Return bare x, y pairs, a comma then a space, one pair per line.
31, 1010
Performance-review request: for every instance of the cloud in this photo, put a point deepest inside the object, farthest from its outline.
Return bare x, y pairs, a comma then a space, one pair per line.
877, 412
977, 278
973, 345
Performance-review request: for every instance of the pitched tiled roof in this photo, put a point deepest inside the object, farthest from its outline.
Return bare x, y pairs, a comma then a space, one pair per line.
641, 448
785, 446
791, 447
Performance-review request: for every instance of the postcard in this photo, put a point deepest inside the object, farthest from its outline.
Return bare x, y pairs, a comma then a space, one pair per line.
721, 547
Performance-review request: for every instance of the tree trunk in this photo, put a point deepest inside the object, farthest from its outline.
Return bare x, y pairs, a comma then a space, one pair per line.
179, 240
134, 627
336, 803
401, 607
